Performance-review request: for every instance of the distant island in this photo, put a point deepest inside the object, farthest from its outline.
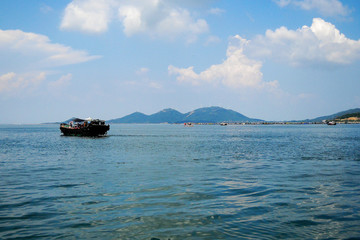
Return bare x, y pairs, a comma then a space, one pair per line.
208, 115
201, 115
348, 116
214, 115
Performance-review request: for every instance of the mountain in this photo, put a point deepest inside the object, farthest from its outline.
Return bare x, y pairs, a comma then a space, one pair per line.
334, 116
349, 115
167, 115
215, 115
201, 115
136, 117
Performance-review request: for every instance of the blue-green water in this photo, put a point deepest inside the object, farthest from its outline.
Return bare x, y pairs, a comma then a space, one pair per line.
172, 182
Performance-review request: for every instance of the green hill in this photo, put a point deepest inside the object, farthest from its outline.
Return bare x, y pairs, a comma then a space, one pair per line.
215, 115
334, 116
357, 115
136, 117
201, 115
167, 115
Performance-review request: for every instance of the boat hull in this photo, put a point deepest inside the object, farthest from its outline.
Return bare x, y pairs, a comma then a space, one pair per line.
88, 131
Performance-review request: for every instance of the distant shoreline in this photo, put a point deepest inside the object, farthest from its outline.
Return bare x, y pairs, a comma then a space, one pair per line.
201, 123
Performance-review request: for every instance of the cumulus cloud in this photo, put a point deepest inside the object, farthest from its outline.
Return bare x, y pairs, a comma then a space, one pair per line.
90, 16
321, 43
40, 46
179, 22
12, 81
153, 17
30, 53
236, 71
325, 7
131, 18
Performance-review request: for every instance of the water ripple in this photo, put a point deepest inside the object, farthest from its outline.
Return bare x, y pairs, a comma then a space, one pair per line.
165, 182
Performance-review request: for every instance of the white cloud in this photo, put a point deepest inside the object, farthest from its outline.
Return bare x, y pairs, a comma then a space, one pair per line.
216, 11
160, 19
61, 82
7, 82
142, 71
237, 71
39, 47
87, 15
325, 7
321, 43
155, 18
12, 81
30, 53
179, 22
282, 3
131, 18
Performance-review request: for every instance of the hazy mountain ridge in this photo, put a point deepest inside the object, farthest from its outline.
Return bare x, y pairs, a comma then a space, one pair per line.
207, 115
201, 115
334, 116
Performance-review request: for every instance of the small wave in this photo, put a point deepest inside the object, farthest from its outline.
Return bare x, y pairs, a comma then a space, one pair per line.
91, 203
147, 135
80, 225
283, 204
341, 218
303, 223
31, 216
69, 185
48, 169
246, 191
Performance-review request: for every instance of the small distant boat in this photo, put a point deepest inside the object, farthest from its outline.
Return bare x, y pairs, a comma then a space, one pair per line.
223, 124
331, 123
84, 127
189, 124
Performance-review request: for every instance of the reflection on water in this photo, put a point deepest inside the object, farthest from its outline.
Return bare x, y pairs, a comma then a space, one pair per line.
171, 182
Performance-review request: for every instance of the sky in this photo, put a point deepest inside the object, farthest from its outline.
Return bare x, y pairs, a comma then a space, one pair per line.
267, 59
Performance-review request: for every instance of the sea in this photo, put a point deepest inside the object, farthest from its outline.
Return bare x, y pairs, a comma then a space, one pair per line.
167, 182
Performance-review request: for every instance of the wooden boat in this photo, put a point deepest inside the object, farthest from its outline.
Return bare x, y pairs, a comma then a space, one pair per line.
84, 127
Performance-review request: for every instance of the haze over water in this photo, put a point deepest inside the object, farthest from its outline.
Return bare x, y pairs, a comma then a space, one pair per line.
173, 182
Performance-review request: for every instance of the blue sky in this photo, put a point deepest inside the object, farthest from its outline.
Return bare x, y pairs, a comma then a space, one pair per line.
273, 60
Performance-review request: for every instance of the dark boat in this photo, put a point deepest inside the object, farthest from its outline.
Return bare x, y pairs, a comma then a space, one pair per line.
329, 122
84, 127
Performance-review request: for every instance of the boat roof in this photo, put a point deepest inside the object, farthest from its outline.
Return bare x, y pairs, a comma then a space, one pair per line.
86, 119
78, 120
